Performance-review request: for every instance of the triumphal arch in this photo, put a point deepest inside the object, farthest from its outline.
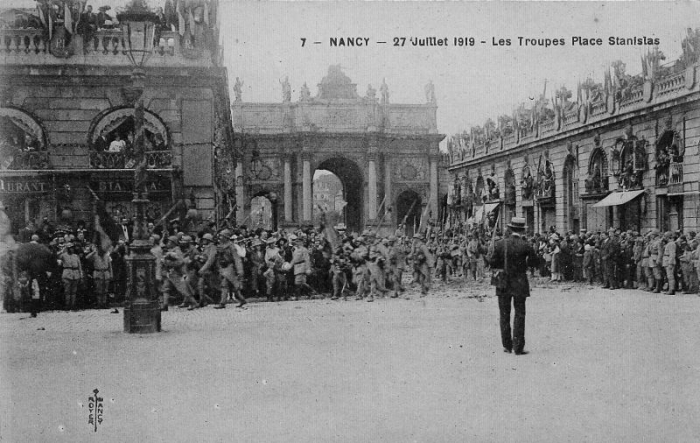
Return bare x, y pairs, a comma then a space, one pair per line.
386, 155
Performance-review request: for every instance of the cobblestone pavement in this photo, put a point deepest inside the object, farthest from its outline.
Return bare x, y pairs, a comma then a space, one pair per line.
603, 366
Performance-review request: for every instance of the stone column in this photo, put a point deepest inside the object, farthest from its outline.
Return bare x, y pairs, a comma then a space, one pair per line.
240, 192
288, 189
372, 187
306, 186
434, 185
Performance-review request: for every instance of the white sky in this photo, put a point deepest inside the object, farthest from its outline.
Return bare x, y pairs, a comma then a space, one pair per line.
262, 45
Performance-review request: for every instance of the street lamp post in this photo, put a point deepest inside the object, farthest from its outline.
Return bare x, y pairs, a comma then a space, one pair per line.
142, 309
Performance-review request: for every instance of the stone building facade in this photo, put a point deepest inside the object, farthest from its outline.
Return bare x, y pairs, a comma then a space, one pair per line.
63, 104
386, 155
624, 155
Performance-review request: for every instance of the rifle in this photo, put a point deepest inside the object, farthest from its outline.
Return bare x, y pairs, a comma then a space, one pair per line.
427, 208
405, 217
378, 209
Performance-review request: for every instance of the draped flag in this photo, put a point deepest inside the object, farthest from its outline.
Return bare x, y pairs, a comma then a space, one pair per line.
67, 18
42, 18
180, 19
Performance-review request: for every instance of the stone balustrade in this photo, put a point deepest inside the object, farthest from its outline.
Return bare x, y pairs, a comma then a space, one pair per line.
649, 93
105, 47
670, 84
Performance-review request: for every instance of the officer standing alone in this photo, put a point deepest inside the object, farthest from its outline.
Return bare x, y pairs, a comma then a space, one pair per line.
512, 254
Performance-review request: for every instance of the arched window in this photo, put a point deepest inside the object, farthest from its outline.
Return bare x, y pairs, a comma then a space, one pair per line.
23, 141
509, 193
597, 180
480, 194
111, 135
670, 151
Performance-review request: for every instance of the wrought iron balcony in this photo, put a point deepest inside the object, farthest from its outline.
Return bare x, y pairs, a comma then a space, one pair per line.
675, 173
125, 160
28, 160
669, 174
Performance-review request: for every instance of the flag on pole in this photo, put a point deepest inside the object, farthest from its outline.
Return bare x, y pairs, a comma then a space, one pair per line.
191, 20
50, 24
42, 18
67, 18
180, 19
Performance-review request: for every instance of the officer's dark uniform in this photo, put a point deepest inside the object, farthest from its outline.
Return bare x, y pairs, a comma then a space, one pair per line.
517, 287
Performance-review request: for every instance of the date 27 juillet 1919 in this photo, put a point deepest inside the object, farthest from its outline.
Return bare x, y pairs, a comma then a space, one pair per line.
493, 41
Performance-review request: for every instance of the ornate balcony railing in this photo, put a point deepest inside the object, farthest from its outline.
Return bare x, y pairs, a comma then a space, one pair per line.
675, 173
123, 160
29, 160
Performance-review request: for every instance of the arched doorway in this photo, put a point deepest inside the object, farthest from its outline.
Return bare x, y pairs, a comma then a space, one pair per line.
408, 209
571, 195
351, 179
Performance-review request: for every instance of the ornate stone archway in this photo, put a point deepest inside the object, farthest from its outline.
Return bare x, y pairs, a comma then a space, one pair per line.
376, 148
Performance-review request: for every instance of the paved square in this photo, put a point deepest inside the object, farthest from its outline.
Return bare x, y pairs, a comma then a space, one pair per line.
604, 366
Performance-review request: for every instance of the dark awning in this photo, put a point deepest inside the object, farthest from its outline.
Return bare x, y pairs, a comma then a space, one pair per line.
619, 198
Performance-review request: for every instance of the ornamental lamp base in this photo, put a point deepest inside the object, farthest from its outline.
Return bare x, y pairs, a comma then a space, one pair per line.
142, 317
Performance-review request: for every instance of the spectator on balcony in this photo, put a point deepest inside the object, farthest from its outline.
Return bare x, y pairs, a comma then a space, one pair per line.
87, 26
104, 20
30, 143
101, 144
117, 145
159, 143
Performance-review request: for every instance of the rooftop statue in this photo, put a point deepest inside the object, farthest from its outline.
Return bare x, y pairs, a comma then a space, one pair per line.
286, 90
384, 90
430, 93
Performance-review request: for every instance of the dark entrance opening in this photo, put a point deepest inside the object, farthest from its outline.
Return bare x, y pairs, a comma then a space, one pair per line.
408, 212
350, 176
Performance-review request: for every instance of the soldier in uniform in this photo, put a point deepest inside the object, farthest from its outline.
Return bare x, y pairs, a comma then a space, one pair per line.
669, 262
206, 257
174, 268
608, 255
512, 254
72, 274
230, 270
653, 252
423, 263
274, 262
338, 271
659, 271
301, 260
394, 269
359, 258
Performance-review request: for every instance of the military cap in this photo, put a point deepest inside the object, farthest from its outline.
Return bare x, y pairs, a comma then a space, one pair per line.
225, 233
208, 237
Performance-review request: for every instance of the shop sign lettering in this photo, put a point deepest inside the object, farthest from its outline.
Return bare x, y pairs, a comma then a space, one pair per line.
20, 187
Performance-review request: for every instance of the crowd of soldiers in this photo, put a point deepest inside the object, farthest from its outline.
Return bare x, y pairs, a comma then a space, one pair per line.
219, 266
